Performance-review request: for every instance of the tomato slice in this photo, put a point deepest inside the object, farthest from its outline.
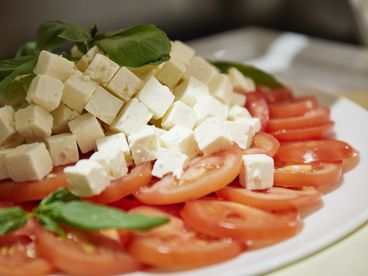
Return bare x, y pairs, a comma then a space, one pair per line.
308, 133
294, 108
255, 227
33, 190
173, 247
326, 151
139, 176
319, 175
276, 95
204, 176
274, 199
84, 253
266, 142
258, 107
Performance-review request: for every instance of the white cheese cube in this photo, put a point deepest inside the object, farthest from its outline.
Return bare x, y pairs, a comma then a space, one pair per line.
221, 87
63, 149
156, 97
240, 82
15, 141
28, 162
33, 122
181, 52
102, 69
62, 115
256, 172
207, 107
169, 161
146, 71
237, 99
241, 133
54, 66
133, 117
180, 139
87, 58
77, 91
179, 114
171, 73
144, 145
113, 161
3, 169
238, 113
7, 127
87, 130
201, 69
116, 142
75, 52
189, 91
124, 84
212, 136
254, 123
104, 105
87, 178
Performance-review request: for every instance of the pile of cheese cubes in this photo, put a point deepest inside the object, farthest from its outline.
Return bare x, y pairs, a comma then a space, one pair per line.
167, 113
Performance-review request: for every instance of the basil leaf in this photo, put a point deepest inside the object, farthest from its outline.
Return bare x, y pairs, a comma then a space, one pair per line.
9, 65
12, 219
50, 224
60, 195
24, 68
89, 217
27, 49
136, 46
260, 77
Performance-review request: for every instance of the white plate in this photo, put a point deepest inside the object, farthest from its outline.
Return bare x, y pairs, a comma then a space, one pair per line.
344, 209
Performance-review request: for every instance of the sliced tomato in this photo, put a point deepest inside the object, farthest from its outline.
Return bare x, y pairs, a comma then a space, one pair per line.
319, 175
266, 142
308, 133
326, 151
84, 253
139, 176
33, 190
253, 226
294, 108
258, 107
274, 199
172, 247
276, 95
202, 177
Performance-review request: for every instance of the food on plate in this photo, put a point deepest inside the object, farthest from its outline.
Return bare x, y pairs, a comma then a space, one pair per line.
132, 152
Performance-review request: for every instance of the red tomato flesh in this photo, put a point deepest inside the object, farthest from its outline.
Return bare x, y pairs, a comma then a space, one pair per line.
294, 108
258, 107
265, 142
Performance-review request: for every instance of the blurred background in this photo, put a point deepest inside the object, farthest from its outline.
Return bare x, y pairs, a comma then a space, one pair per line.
338, 20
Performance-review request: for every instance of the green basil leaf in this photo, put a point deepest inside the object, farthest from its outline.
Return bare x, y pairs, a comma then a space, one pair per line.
9, 65
27, 49
25, 68
12, 219
136, 46
62, 194
260, 77
89, 217
50, 224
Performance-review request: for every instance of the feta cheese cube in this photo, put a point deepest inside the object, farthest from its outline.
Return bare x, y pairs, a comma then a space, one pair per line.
33, 121
238, 113
104, 105
146, 71
189, 91
237, 99
133, 117
113, 161
156, 97
102, 69
62, 115
75, 52
256, 172
87, 178
181, 52
207, 107
117, 142
179, 114
201, 69
169, 161
212, 136
124, 84
28, 162
255, 124
87, 58
15, 141
87, 130
54, 66
7, 128
45, 91
180, 139
78, 90
171, 73
241, 133
221, 87
63, 149
144, 145
240, 82
3, 170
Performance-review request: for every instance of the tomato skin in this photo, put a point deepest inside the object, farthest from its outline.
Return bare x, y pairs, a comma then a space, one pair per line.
139, 176
258, 107
273, 199
276, 95
266, 142
297, 107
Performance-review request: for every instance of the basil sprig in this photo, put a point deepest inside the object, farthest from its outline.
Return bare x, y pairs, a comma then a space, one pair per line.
64, 208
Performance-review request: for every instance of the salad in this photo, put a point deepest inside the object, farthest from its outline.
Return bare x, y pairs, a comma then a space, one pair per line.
130, 152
